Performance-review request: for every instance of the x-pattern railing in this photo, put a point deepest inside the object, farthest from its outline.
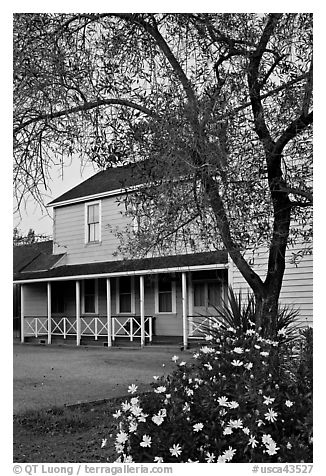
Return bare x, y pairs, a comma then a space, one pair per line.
121, 326
63, 326
93, 326
198, 325
35, 326
130, 327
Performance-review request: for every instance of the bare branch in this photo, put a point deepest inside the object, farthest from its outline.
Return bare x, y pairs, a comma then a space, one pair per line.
254, 84
86, 107
295, 128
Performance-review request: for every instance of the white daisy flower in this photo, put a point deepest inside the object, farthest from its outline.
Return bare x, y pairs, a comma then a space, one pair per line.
288, 403
160, 389
271, 415
198, 427
104, 442
147, 441
132, 388
176, 450
236, 363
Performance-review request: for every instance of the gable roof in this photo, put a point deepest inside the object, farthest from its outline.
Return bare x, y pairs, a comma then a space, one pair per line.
25, 254
118, 179
34, 257
113, 178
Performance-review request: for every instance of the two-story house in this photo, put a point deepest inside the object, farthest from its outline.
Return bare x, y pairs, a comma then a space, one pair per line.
82, 290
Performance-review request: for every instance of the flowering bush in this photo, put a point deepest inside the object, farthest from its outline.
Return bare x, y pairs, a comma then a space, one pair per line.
225, 404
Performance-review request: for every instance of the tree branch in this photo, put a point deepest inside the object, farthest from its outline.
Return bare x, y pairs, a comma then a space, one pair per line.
297, 191
86, 106
164, 47
295, 128
255, 86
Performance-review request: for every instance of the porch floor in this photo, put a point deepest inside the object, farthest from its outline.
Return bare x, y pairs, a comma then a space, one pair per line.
175, 342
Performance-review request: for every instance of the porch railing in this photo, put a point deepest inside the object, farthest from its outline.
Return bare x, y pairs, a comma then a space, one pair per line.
199, 325
35, 326
91, 326
130, 327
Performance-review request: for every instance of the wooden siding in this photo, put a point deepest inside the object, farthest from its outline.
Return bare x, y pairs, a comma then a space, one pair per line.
69, 232
297, 289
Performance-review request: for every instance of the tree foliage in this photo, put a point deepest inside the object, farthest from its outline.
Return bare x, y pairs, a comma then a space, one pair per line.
19, 239
218, 107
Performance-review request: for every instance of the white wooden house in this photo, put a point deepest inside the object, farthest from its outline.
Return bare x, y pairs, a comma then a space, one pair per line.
82, 290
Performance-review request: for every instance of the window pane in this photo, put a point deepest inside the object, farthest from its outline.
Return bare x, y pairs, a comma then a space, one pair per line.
125, 303
125, 284
199, 294
90, 303
165, 302
89, 295
214, 294
165, 284
90, 214
96, 231
93, 213
96, 213
57, 298
89, 286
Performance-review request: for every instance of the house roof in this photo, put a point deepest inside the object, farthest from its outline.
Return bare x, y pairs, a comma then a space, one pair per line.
119, 179
124, 266
113, 178
23, 255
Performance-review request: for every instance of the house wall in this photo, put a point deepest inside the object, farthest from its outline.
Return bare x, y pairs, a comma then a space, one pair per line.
297, 288
69, 232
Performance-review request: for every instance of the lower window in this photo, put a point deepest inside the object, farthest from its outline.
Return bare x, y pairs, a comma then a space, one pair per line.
90, 296
165, 294
125, 295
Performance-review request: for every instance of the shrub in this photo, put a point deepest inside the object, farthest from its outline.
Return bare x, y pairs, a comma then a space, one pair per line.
224, 404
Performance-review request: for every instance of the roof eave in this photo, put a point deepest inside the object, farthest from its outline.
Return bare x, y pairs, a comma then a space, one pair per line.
94, 196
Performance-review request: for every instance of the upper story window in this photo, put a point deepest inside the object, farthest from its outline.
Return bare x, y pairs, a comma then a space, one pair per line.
93, 222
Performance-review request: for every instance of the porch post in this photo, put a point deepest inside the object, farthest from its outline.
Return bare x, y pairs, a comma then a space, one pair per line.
78, 313
184, 310
49, 311
22, 313
190, 302
108, 311
142, 311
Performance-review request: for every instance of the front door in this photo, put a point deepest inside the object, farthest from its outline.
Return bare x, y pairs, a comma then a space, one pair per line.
206, 298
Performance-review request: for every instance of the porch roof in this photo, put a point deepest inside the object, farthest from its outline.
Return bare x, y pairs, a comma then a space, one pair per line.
212, 259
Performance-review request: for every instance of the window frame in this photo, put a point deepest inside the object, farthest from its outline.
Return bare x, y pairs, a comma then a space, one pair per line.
173, 297
132, 298
88, 204
95, 297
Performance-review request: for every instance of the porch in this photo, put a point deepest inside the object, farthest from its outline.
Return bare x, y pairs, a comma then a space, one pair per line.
127, 301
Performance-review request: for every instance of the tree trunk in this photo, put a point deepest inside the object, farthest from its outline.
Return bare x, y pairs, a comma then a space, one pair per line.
266, 313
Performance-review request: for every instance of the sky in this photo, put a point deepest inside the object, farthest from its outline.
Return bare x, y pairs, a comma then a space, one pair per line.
40, 218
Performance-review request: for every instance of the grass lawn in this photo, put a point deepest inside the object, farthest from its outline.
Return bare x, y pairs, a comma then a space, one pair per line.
65, 434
